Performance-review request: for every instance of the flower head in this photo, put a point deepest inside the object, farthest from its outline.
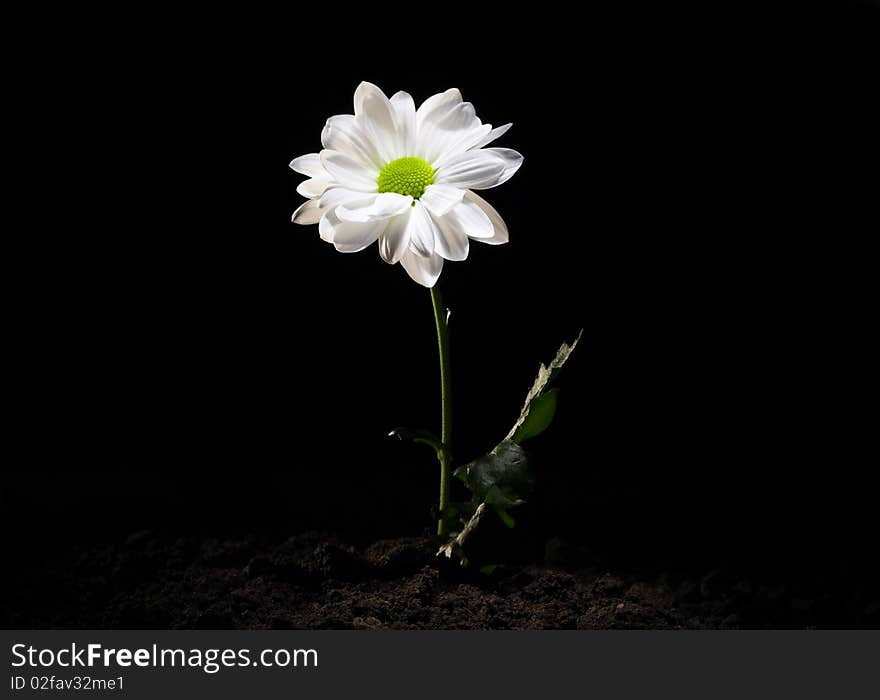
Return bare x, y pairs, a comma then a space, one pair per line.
404, 177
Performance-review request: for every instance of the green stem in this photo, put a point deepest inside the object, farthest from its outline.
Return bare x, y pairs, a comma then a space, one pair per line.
440, 318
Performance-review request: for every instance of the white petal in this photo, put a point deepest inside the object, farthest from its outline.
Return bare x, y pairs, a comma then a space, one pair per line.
343, 133
312, 187
310, 164
421, 231
353, 238
384, 206
394, 242
439, 199
335, 196
496, 133
471, 169
461, 116
362, 92
464, 142
348, 172
436, 106
451, 242
501, 234
511, 159
347, 236
425, 271
469, 218
307, 213
439, 133
428, 116
374, 112
325, 226
405, 117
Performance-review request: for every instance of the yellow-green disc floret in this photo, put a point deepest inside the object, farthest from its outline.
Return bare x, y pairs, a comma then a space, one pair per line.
407, 176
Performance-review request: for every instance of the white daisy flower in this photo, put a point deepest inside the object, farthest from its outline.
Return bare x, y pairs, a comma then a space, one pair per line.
404, 177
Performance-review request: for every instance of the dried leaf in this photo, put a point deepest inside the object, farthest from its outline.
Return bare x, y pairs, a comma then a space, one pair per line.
455, 546
545, 376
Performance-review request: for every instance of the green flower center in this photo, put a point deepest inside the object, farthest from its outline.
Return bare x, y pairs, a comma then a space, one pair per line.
407, 176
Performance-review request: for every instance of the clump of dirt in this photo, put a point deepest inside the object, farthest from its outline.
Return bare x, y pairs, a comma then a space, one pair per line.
316, 581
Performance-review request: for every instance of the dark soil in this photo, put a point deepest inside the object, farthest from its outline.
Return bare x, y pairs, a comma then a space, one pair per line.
158, 580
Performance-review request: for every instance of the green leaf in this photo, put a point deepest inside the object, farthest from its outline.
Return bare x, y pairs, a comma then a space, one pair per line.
540, 416
506, 517
424, 437
545, 376
503, 497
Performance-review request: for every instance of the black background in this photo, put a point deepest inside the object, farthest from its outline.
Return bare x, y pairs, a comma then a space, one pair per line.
696, 195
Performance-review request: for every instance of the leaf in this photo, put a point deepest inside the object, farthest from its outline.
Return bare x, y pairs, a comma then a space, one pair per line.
540, 416
502, 497
505, 517
425, 437
455, 546
502, 475
545, 376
